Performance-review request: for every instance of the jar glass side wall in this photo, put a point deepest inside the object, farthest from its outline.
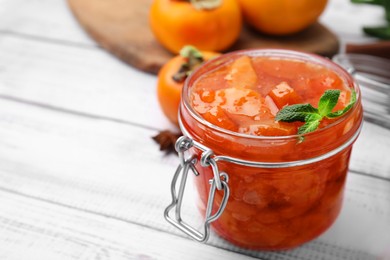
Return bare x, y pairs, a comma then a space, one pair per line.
281, 209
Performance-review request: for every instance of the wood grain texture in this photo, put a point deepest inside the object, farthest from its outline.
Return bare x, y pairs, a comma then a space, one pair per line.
46, 231
115, 170
79, 80
49, 20
122, 27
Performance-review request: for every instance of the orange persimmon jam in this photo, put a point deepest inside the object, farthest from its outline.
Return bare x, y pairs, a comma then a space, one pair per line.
229, 106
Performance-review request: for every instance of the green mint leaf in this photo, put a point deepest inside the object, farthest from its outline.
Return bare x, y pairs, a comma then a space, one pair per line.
308, 127
382, 32
346, 109
372, 2
328, 101
313, 117
297, 112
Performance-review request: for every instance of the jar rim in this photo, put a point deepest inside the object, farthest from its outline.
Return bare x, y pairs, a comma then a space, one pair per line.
275, 53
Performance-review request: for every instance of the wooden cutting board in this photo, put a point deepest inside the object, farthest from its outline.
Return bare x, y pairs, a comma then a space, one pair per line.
121, 26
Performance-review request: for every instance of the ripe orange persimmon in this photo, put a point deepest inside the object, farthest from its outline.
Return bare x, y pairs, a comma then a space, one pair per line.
209, 25
281, 17
172, 75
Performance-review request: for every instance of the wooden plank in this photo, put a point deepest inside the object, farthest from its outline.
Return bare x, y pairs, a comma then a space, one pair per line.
370, 153
44, 19
115, 170
81, 80
32, 229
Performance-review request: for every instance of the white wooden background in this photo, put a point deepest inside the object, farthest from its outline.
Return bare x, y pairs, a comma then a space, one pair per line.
81, 178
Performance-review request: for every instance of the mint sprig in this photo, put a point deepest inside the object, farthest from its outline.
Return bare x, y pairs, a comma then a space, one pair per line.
312, 116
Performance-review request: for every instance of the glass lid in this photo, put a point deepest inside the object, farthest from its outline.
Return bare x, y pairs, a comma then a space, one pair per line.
373, 76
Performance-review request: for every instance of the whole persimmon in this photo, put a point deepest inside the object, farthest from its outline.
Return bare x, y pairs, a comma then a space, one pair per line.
281, 17
172, 75
209, 25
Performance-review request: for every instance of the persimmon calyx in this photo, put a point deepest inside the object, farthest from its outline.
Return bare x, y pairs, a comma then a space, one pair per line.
206, 4
193, 57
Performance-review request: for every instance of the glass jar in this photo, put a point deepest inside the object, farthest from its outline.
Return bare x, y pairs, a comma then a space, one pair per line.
264, 192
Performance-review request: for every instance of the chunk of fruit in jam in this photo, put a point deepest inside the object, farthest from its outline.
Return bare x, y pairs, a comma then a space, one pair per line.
250, 91
242, 74
218, 116
283, 95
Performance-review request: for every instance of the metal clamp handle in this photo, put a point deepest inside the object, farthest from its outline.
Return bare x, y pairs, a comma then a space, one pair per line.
183, 144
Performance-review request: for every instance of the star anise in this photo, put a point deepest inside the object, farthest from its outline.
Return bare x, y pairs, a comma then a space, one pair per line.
167, 139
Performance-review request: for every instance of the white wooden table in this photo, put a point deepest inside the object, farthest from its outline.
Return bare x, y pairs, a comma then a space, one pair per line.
81, 178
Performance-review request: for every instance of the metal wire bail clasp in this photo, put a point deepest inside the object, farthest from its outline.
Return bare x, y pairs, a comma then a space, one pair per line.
220, 182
